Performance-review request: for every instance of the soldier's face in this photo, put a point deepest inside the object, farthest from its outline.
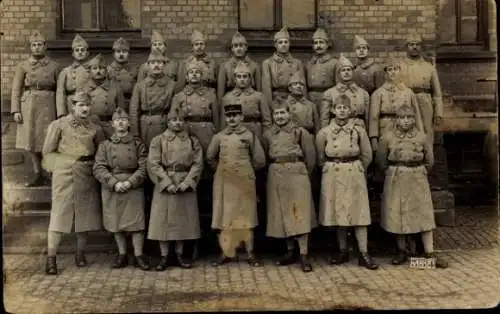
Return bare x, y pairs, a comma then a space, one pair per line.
194, 76
341, 111
239, 49
392, 73
199, 47
320, 46
406, 122
38, 48
98, 72
282, 45
175, 124
414, 49
281, 116
81, 109
121, 55
156, 66
121, 124
233, 119
158, 47
297, 88
362, 51
242, 80
80, 53
346, 74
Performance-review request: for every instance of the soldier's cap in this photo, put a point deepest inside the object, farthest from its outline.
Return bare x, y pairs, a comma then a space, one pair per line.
156, 57
196, 65
119, 114
156, 36
238, 38
36, 37
121, 44
405, 110
97, 61
175, 113
282, 34
197, 36
280, 105
320, 33
297, 77
344, 62
392, 62
413, 37
342, 99
233, 108
78, 41
241, 67
359, 41
80, 96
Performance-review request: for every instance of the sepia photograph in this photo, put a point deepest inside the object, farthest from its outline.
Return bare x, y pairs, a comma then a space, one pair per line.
249, 155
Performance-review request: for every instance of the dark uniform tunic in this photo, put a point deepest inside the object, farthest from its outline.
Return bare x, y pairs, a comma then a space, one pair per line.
368, 75
304, 113
320, 76
209, 74
71, 77
126, 76
226, 81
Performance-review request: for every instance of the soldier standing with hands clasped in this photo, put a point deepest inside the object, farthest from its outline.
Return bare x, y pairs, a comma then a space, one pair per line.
120, 70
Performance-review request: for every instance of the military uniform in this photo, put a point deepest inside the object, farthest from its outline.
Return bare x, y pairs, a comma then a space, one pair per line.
320, 72
277, 71
171, 66
368, 74
304, 112
150, 104
34, 96
71, 77
124, 74
226, 71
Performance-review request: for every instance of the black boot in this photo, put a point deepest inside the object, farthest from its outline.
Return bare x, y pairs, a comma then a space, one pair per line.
121, 261
305, 264
440, 263
80, 259
400, 258
141, 262
289, 258
36, 181
51, 266
366, 261
253, 260
339, 258
163, 264
183, 263
221, 260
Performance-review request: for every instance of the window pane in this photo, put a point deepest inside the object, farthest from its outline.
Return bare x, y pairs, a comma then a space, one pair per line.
469, 21
447, 21
256, 13
121, 14
80, 14
299, 13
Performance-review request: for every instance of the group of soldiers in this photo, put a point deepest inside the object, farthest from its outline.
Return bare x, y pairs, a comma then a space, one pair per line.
119, 140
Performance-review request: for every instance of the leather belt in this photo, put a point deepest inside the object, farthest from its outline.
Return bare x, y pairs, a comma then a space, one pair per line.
178, 168
85, 158
198, 119
251, 119
156, 112
123, 171
342, 159
287, 159
280, 90
388, 115
105, 117
41, 88
418, 90
411, 164
317, 89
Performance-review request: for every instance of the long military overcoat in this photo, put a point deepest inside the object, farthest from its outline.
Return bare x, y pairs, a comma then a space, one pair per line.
69, 79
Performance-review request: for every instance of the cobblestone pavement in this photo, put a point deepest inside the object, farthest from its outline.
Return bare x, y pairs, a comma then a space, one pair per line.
471, 281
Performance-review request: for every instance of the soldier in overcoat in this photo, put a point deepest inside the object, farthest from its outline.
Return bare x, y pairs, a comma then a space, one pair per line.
359, 98
344, 154
72, 76
368, 74
175, 164
33, 102
104, 93
321, 68
68, 152
279, 68
226, 78
303, 111
236, 153
406, 155
290, 209
122, 71
209, 79
120, 166
159, 46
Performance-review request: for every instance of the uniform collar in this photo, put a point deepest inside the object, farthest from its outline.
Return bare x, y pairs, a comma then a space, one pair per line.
238, 91
43, 61
234, 61
238, 130
393, 87
289, 127
414, 61
406, 134
124, 139
104, 85
336, 128
119, 66
365, 65
76, 122
160, 81
280, 59
204, 58
189, 90
343, 87
321, 58
170, 135
76, 64
292, 100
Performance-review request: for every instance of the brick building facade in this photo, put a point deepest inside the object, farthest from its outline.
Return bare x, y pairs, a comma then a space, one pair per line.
459, 34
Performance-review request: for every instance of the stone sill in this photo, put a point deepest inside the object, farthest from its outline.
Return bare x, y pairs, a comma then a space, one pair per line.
461, 55
99, 43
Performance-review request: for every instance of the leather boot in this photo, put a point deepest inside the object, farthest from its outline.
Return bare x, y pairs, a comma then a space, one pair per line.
141, 263
121, 261
305, 264
440, 263
253, 260
366, 261
36, 181
287, 259
51, 266
221, 260
163, 264
339, 258
184, 263
400, 258
80, 259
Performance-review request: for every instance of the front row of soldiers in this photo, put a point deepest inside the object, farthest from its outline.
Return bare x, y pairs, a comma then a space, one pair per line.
80, 157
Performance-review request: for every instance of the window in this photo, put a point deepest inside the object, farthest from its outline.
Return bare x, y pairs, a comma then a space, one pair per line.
463, 22
97, 16
272, 15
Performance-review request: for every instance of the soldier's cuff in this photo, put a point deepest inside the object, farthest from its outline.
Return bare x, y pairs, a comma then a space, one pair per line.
112, 182
164, 183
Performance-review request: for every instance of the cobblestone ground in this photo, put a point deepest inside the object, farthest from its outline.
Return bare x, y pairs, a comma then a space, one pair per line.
471, 281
